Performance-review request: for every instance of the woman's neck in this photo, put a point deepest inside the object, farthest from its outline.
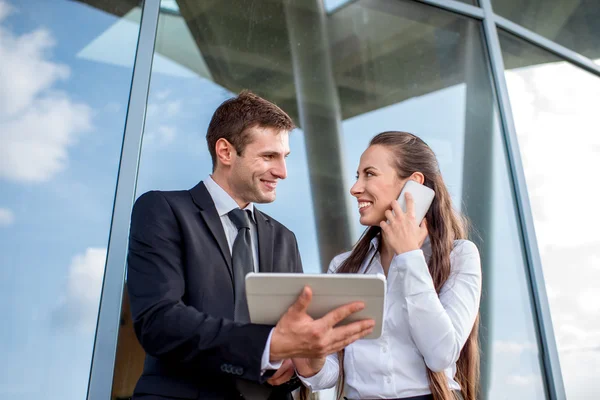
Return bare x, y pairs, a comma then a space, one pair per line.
386, 254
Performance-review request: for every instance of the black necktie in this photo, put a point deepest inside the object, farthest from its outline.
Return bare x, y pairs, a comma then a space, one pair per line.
242, 260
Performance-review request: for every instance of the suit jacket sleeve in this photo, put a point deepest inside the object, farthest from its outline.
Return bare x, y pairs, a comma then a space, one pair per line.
166, 327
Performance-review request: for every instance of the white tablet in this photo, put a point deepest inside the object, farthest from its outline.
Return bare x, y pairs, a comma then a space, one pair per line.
271, 294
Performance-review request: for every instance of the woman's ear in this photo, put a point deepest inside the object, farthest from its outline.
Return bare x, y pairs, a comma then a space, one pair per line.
417, 177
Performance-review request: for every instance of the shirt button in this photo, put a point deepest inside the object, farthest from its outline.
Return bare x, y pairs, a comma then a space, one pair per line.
384, 349
388, 380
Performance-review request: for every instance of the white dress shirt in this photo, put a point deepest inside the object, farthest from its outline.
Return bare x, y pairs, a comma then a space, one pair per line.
420, 329
224, 204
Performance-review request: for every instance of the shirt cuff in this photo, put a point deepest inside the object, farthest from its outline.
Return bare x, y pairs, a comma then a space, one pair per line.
317, 381
265, 363
412, 272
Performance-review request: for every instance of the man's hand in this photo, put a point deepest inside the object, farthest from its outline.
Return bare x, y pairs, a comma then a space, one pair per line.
297, 335
283, 374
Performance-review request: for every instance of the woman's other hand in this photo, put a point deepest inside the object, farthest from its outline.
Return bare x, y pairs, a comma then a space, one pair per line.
401, 230
307, 367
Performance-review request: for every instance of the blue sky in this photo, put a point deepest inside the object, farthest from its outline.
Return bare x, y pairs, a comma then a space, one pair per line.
55, 203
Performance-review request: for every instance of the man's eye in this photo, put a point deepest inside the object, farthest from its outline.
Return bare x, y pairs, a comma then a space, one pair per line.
369, 174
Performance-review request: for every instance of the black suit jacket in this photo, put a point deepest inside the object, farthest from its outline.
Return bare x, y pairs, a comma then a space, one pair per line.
180, 284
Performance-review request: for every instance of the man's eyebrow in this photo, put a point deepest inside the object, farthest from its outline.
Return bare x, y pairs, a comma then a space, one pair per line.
273, 153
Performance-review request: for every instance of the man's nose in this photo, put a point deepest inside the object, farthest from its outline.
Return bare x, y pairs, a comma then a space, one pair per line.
280, 171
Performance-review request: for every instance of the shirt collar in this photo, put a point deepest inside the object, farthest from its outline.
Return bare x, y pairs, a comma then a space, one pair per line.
224, 203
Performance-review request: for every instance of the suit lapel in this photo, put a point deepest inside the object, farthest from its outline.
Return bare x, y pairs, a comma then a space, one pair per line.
265, 242
213, 221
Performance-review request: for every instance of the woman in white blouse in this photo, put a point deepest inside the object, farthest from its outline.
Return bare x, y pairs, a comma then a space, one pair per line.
428, 348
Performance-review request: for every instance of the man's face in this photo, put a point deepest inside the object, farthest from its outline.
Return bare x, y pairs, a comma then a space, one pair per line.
255, 173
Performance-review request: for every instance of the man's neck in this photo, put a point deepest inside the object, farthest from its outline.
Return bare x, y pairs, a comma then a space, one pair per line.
224, 184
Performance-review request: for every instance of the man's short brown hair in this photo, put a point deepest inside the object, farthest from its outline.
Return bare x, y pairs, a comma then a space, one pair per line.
234, 117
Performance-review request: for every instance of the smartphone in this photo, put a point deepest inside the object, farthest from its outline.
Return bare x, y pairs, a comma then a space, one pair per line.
422, 196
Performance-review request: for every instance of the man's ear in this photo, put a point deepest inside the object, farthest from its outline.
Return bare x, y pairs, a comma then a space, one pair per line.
224, 151
417, 177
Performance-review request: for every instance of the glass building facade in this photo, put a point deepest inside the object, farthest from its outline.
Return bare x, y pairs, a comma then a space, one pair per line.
103, 100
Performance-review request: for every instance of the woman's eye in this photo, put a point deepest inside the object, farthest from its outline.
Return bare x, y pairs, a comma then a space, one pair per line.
369, 174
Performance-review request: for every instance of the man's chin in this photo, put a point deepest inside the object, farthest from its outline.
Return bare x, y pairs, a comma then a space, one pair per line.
264, 198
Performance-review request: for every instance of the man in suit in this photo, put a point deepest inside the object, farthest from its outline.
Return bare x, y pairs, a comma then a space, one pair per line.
189, 252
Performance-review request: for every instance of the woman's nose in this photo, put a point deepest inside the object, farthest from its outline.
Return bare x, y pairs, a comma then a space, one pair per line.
356, 189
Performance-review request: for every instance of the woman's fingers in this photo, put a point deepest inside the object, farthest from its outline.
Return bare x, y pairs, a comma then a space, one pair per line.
410, 205
389, 216
423, 231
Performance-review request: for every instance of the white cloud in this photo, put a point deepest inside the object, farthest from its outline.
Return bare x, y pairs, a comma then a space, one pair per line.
166, 133
589, 301
580, 374
79, 306
163, 94
163, 109
161, 136
555, 108
556, 117
162, 114
112, 107
523, 380
551, 292
594, 262
37, 124
513, 348
7, 217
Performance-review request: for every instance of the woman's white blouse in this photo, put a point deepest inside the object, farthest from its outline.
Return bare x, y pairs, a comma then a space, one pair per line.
420, 329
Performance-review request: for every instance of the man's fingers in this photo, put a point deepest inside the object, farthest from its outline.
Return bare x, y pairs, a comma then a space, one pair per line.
349, 340
342, 332
303, 301
332, 318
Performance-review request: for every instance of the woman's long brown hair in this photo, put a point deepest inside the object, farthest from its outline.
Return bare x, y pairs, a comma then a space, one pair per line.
411, 155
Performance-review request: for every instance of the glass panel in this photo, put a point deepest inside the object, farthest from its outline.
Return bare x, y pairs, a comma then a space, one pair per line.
571, 23
333, 5
345, 76
555, 106
65, 74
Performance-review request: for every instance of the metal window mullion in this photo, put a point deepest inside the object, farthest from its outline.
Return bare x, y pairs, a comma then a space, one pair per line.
105, 345
549, 351
547, 44
456, 7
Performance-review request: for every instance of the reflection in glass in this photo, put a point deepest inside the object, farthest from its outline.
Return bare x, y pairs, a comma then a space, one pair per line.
555, 107
571, 23
344, 76
64, 88
332, 6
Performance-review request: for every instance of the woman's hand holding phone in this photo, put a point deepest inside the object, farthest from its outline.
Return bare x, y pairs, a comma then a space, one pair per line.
401, 230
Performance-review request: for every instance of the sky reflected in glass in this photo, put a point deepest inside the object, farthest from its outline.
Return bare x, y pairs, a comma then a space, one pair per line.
61, 125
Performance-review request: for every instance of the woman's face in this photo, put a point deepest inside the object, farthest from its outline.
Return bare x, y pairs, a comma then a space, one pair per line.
377, 184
